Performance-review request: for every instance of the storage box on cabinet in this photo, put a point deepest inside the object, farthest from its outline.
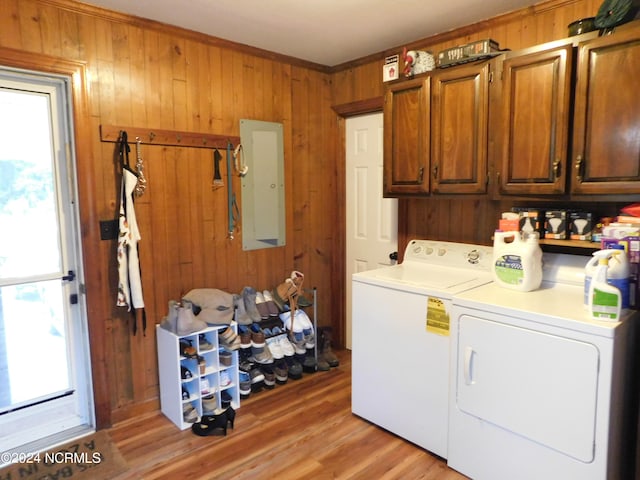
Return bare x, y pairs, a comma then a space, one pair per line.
212, 370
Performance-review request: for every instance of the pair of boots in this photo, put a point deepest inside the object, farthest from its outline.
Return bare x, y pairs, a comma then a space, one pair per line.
181, 319
326, 358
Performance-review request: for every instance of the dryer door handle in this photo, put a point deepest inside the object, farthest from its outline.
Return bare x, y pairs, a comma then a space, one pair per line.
469, 354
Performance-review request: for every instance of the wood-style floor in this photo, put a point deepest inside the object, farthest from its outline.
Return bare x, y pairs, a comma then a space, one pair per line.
301, 430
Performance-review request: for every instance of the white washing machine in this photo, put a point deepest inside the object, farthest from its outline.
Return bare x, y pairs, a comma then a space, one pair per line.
400, 338
540, 391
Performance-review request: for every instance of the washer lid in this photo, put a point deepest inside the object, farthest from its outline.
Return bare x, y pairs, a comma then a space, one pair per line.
422, 278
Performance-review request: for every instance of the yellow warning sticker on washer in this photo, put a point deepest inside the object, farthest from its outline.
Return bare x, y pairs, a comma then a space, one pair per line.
437, 317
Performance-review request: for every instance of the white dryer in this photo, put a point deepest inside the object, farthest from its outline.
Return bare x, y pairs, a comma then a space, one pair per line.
400, 338
539, 390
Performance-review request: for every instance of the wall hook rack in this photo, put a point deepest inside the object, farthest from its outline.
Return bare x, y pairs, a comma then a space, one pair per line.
174, 138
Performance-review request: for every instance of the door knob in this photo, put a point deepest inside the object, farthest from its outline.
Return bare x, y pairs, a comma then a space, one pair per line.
393, 256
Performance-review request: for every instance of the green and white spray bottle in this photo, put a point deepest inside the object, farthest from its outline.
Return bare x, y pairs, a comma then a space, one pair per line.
605, 300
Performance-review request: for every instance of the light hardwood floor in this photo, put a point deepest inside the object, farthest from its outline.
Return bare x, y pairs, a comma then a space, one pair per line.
301, 430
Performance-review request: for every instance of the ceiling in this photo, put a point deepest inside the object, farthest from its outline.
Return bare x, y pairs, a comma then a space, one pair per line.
326, 32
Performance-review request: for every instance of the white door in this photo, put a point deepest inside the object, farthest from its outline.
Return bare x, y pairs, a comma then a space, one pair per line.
372, 221
45, 382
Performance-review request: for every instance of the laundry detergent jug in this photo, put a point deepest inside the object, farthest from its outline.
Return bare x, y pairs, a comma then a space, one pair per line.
517, 260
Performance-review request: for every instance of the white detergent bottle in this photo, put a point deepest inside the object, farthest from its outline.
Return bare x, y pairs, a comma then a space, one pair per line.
605, 301
517, 262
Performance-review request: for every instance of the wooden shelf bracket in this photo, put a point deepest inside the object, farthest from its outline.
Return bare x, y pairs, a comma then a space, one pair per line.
173, 138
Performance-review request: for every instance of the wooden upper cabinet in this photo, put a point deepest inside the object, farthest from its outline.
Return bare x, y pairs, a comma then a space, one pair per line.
606, 140
532, 127
406, 137
459, 125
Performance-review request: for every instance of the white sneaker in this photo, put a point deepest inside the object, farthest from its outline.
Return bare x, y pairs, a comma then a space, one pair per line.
307, 328
286, 346
302, 318
225, 379
300, 321
286, 321
275, 348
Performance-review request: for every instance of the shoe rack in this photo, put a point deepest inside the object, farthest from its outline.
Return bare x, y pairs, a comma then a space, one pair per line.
210, 377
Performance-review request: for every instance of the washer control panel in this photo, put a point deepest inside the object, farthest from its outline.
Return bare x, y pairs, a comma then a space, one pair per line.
461, 255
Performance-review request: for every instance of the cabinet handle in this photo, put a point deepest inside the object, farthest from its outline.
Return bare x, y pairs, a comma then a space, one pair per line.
468, 359
420, 174
556, 169
579, 167
435, 171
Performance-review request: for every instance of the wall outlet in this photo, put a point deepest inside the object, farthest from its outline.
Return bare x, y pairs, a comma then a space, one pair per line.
108, 229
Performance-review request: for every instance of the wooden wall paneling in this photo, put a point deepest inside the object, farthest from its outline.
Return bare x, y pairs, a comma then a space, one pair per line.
142, 352
121, 76
301, 117
211, 83
30, 26
70, 43
228, 80
512, 32
156, 284
137, 94
151, 79
358, 83
164, 84
337, 289
11, 31
224, 108
103, 37
50, 29
194, 173
197, 66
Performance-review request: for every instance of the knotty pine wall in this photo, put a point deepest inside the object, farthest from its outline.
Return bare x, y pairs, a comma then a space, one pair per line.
144, 74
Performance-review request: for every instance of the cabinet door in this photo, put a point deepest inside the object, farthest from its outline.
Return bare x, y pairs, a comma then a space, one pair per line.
606, 140
459, 129
540, 386
533, 127
406, 137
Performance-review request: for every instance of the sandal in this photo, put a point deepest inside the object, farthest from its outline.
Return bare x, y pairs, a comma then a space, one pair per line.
187, 349
298, 279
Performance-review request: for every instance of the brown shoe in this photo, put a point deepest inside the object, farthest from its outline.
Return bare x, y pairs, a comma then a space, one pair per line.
323, 365
229, 339
257, 336
325, 346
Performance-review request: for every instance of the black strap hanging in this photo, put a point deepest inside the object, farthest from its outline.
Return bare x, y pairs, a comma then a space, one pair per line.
123, 149
123, 153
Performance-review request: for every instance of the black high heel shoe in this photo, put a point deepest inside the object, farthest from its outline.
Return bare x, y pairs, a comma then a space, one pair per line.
211, 425
231, 415
228, 413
